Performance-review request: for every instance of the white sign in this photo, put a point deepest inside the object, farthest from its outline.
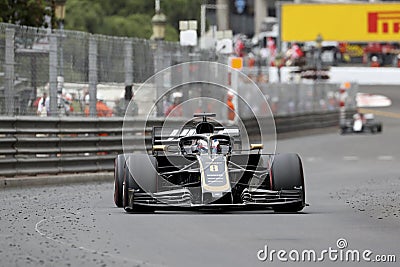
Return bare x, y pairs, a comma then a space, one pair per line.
188, 38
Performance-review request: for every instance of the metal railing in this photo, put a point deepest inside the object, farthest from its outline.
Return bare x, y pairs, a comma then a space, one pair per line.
65, 145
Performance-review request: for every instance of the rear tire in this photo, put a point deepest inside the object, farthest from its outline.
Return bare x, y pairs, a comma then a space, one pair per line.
287, 174
119, 165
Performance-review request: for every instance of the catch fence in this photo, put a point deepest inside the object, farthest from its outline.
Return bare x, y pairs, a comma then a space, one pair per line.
76, 69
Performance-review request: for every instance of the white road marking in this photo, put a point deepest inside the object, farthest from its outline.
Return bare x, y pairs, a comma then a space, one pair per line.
355, 158
350, 158
385, 157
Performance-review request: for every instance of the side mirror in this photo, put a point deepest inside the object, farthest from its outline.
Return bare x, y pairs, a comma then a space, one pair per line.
256, 146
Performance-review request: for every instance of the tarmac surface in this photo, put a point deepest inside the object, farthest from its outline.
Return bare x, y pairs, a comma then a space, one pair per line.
352, 186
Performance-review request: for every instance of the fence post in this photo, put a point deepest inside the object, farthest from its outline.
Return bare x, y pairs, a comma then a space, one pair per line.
92, 75
61, 49
158, 66
9, 72
53, 70
128, 62
185, 93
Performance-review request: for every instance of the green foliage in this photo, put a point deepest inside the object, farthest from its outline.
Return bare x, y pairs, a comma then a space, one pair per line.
131, 18
84, 15
177, 10
24, 12
171, 34
137, 25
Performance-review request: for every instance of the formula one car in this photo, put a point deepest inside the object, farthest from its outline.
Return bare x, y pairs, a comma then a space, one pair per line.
361, 123
202, 166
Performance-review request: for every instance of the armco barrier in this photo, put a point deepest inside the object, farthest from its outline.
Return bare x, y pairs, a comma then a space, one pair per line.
298, 122
33, 145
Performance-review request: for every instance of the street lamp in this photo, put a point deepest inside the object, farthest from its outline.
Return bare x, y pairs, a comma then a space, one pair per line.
159, 22
59, 11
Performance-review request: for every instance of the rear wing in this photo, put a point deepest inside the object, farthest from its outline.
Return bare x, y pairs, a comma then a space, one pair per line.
171, 136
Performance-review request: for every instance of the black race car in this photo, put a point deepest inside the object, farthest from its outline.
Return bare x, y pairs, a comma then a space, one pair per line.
361, 123
202, 166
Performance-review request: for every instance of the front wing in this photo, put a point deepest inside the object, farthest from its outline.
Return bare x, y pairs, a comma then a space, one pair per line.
250, 199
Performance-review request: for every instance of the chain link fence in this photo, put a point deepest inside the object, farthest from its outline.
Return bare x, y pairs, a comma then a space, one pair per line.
86, 75
295, 97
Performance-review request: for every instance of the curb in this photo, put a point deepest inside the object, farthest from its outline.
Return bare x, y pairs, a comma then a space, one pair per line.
55, 179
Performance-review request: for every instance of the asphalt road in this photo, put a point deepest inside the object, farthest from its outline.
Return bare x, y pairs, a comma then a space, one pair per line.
352, 184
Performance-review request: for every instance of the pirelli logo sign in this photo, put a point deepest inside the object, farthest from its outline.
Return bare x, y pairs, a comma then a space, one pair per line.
384, 22
367, 22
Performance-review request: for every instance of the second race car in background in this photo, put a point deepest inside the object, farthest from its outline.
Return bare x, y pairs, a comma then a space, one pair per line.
361, 123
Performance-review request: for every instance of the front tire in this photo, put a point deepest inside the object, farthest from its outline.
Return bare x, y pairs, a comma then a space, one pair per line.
119, 165
125, 191
140, 175
287, 174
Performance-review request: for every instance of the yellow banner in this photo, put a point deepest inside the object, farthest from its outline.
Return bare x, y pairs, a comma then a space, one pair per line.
341, 22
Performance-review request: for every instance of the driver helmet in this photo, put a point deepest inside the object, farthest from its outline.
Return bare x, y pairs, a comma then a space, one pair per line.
202, 146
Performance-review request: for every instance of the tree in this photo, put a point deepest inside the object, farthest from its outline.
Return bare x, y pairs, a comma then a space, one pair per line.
138, 25
177, 10
84, 15
24, 12
131, 18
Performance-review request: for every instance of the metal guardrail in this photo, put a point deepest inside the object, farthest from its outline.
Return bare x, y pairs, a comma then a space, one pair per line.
33, 146
30, 146
298, 122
